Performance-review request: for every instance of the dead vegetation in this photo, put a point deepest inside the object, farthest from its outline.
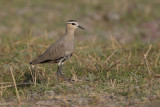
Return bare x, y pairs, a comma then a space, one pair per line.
116, 61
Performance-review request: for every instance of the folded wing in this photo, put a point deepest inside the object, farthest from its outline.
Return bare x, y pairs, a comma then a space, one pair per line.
55, 51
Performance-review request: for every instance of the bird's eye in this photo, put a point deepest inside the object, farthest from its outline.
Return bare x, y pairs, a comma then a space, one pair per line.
73, 24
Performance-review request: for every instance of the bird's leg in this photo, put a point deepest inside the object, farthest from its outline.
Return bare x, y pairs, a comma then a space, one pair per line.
58, 74
62, 74
33, 73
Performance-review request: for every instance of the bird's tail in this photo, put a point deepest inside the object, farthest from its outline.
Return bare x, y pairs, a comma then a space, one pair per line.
38, 60
35, 61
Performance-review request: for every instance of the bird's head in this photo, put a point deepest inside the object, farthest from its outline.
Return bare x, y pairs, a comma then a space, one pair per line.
73, 24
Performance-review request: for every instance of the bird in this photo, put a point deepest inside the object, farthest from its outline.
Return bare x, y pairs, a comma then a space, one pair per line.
61, 50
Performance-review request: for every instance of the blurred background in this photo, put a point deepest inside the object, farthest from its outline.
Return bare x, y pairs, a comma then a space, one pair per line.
126, 20
117, 57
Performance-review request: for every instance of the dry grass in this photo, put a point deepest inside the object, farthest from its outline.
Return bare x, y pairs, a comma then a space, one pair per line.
112, 65
129, 72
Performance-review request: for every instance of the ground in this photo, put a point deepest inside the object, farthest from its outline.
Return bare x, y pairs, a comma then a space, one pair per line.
116, 60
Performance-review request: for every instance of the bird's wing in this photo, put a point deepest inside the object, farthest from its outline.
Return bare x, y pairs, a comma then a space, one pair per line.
55, 51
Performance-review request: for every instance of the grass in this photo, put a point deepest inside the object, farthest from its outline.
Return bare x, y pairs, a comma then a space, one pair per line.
114, 64
102, 68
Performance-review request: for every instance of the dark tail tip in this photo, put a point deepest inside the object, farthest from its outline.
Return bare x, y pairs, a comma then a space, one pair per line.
30, 63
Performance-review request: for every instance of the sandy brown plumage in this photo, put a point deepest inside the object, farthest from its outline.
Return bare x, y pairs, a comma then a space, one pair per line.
61, 50
55, 51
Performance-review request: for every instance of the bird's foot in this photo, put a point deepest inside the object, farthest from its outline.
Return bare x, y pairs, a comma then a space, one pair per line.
68, 80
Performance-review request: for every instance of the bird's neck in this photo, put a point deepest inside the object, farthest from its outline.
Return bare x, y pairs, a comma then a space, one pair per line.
70, 32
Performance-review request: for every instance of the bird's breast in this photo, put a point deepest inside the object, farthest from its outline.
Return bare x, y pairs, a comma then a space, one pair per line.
69, 44
69, 48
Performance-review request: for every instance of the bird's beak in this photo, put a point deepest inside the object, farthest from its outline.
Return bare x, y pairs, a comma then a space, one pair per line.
81, 27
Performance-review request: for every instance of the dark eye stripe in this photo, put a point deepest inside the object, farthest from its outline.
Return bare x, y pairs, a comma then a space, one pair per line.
73, 24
